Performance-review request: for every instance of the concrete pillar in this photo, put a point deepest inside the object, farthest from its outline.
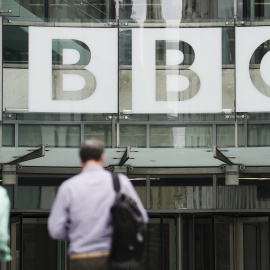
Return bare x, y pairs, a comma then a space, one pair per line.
232, 175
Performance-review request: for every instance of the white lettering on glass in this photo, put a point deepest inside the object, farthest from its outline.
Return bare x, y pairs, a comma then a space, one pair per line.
165, 81
73, 70
252, 69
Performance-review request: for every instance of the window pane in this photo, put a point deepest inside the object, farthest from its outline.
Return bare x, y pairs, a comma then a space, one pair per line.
8, 136
100, 132
181, 10
251, 193
258, 135
253, 10
139, 183
81, 10
15, 44
54, 136
32, 10
133, 135
178, 193
28, 197
226, 135
177, 136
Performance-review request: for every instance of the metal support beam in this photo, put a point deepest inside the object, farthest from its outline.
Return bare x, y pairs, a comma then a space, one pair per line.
35, 154
217, 154
125, 157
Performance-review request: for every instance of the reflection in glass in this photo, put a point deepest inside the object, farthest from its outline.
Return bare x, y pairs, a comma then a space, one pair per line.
36, 197
201, 10
250, 194
160, 249
251, 10
224, 231
15, 45
125, 47
63, 10
179, 193
8, 135
256, 245
133, 135
100, 132
139, 183
180, 136
197, 235
32, 9
228, 45
226, 135
81, 10
258, 135
39, 249
52, 135
179, 197
176, 10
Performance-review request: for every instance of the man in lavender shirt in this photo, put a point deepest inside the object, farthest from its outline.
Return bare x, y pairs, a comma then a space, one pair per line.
81, 210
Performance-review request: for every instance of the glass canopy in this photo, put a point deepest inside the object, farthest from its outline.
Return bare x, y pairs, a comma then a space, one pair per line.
143, 157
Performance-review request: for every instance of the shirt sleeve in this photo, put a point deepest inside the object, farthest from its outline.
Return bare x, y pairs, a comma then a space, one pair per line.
4, 220
128, 189
58, 222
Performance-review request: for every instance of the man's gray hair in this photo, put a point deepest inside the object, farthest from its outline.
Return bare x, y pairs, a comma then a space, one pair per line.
91, 150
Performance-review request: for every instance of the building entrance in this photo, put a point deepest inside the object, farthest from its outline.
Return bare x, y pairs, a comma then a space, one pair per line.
33, 249
175, 242
242, 243
226, 242
31, 246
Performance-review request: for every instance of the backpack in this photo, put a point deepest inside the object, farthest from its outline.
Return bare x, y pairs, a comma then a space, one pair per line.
129, 230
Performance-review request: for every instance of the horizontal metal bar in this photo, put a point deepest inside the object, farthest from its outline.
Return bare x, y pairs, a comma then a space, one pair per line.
238, 212
183, 171
143, 171
49, 170
105, 24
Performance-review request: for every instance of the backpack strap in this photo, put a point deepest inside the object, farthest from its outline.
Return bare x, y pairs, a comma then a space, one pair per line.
116, 182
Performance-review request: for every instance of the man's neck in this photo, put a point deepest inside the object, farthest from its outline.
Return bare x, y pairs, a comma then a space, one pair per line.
92, 163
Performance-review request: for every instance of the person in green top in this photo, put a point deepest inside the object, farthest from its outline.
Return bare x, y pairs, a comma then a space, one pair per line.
4, 220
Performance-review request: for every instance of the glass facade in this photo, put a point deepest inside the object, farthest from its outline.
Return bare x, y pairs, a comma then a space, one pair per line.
152, 75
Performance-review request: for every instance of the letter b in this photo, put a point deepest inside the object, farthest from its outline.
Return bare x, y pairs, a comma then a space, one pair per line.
64, 53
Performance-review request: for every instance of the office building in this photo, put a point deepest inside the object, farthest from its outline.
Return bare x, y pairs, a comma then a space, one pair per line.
178, 90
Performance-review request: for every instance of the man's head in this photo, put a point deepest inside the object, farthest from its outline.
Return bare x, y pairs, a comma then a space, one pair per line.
92, 151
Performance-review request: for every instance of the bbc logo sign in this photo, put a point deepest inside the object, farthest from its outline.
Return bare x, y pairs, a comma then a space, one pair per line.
86, 78
91, 86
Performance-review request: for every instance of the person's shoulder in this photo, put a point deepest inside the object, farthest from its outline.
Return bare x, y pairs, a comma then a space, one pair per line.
3, 191
124, 181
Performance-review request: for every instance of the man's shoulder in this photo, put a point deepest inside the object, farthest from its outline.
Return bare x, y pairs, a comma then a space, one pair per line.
3, 191
85, 174
124, 181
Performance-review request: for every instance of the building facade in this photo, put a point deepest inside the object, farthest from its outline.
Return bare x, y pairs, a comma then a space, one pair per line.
179, 93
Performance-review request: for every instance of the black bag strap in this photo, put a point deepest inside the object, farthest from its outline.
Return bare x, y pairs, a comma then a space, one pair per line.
116, 182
